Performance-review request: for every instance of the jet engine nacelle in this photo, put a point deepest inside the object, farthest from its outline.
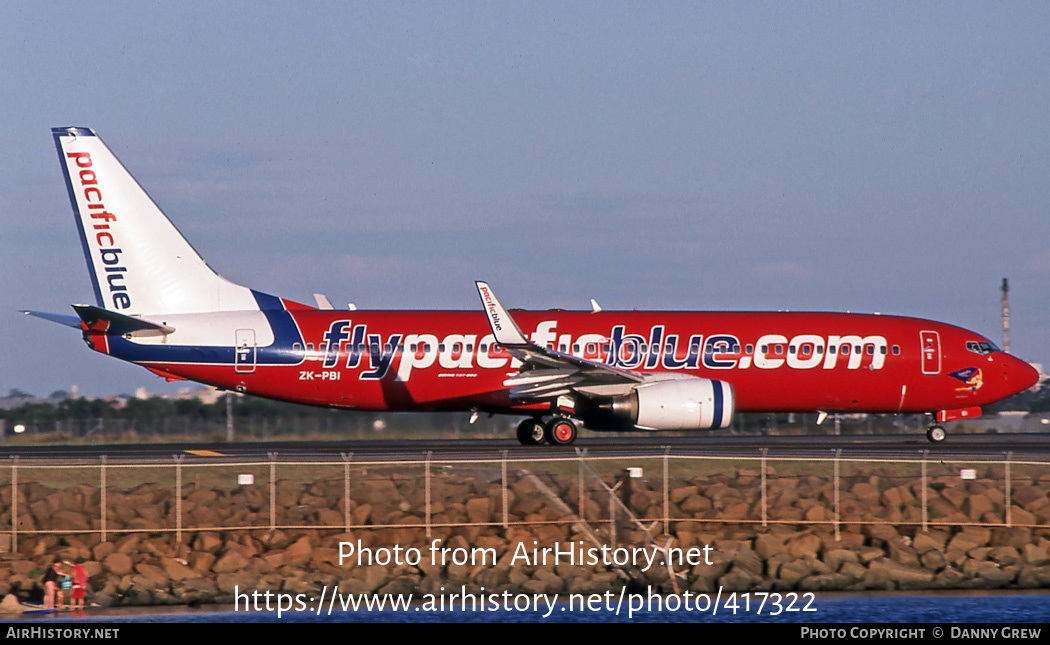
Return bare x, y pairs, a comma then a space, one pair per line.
677, 404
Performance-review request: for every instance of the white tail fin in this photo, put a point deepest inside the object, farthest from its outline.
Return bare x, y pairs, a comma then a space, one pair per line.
139, 262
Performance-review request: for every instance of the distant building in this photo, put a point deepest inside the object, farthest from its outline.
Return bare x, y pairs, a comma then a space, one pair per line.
1043, 376
204, 394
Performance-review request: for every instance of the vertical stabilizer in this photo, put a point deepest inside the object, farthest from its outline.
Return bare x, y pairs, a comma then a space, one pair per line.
138, 261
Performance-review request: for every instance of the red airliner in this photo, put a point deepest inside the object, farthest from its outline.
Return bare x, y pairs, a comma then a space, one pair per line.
159, 305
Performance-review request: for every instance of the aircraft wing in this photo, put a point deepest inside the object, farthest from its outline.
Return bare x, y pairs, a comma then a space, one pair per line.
547, 373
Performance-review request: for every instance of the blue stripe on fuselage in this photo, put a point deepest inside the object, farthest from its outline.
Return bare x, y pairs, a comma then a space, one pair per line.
285, 333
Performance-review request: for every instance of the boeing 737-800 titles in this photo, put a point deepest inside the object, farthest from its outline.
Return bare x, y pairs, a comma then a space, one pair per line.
159, 305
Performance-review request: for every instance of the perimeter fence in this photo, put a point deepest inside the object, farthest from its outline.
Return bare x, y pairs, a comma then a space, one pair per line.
617, 495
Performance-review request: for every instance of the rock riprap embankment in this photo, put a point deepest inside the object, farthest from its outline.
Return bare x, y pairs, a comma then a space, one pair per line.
875, 542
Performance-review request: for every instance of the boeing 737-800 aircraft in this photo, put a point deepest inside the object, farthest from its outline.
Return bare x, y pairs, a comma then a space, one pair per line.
159, 305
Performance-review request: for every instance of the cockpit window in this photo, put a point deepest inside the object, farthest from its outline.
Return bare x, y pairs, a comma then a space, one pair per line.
982, 347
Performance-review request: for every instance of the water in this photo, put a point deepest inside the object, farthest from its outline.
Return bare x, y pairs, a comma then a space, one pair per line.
986, 607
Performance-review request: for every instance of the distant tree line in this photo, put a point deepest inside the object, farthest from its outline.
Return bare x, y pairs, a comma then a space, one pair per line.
251, 417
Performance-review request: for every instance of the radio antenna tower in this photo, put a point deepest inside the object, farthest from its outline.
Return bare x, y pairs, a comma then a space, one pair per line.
1006, 316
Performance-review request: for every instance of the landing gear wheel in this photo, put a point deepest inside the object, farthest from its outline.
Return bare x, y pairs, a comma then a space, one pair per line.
935, 434
560, 431
530, 432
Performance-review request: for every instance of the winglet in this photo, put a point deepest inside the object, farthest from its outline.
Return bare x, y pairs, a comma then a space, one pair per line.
504, 328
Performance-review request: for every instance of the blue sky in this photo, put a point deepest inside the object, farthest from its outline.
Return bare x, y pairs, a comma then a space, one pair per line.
890, 157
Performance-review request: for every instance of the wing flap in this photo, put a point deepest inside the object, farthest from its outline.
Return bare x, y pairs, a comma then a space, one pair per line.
537, 377
555, 386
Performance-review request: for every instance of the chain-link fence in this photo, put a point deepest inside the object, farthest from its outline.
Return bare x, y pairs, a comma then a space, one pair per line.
623, 497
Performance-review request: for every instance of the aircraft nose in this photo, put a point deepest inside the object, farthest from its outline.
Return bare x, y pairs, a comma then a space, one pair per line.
1020, 374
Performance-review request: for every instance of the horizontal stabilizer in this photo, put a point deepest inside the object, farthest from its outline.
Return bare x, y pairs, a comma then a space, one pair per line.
119, 323
62, 319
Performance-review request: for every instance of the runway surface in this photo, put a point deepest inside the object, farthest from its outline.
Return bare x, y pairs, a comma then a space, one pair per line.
909, 446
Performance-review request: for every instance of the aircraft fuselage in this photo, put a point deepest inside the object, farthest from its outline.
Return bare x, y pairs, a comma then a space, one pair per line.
448, 360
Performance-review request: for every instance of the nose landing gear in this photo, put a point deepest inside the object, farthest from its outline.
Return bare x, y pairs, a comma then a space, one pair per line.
936, 434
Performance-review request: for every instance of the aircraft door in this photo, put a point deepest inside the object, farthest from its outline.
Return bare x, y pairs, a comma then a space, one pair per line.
244, 351
931, 352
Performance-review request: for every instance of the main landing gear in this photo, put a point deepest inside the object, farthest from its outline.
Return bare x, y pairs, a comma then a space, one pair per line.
559, 431
936, 434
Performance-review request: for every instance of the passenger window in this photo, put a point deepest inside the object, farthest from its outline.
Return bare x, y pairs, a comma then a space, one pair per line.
896, 350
